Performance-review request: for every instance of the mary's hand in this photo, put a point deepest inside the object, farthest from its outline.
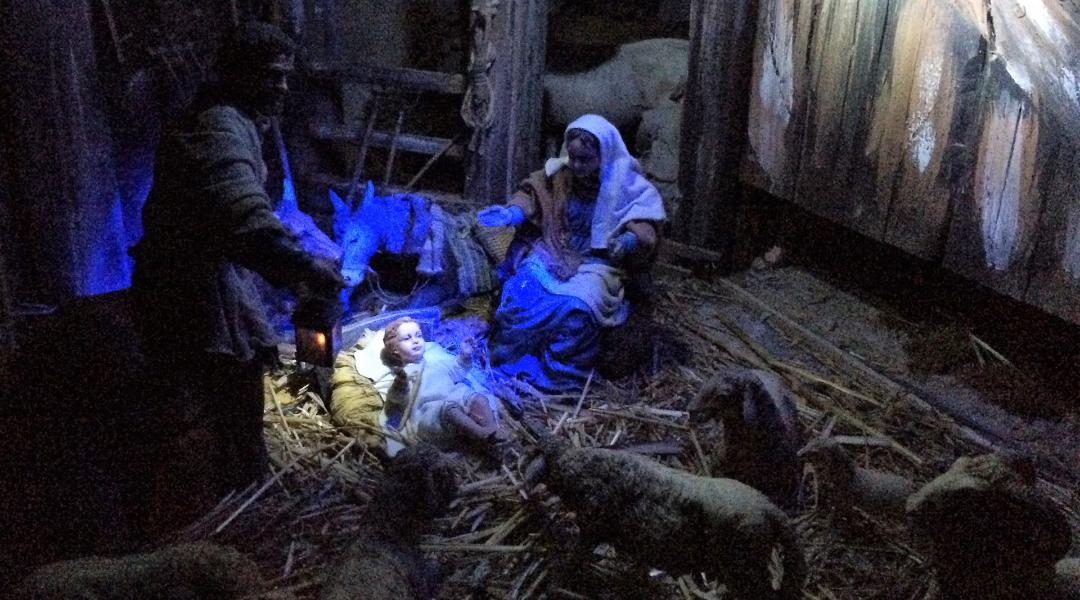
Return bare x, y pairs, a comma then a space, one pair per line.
621, 245
500, 216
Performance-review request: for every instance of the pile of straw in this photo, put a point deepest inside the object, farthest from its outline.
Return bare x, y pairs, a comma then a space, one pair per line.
502, 540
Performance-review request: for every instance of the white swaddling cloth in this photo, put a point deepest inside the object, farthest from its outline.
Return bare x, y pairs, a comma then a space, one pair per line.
435, 383
599, 286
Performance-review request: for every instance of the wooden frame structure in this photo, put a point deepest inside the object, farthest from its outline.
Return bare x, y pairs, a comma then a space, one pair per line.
510, 148
501, 92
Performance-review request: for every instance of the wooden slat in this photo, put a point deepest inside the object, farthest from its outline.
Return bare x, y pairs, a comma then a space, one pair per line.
409, 142
772, 101
588, 31
1018, 229
994, 229
1058, 289
845, 48
7, 301
818, 67
921, 135
714, 124
442, 198
396, 77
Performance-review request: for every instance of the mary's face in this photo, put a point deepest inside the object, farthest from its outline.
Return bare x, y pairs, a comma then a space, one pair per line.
584, 159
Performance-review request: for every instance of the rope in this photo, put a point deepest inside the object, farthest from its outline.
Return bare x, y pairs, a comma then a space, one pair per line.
477, 108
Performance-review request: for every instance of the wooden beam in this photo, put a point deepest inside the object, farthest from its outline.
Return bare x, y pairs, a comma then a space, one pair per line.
510, 148
714, 126
600, 31
7, 299
397, 77
409, 142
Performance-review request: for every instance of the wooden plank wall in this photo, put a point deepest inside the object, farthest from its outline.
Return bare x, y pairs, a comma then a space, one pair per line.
947, 128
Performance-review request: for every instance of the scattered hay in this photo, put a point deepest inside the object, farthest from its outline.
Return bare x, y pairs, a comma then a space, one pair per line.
500, 539
937, 350
1020, 391
955, 350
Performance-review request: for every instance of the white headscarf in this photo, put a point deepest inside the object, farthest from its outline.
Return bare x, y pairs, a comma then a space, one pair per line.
625, 195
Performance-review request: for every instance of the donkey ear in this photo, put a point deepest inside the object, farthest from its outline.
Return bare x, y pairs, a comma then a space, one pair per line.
340, 209
369, 193
341, 215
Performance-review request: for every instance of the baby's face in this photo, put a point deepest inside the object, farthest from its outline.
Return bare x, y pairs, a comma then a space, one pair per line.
409, 343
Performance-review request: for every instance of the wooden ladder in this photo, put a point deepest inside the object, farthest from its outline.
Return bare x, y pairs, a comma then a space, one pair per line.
393, 86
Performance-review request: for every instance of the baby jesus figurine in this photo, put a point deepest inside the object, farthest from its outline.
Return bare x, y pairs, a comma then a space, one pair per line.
427, 394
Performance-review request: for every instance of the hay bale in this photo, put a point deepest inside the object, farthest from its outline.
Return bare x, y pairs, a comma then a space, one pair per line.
940, 349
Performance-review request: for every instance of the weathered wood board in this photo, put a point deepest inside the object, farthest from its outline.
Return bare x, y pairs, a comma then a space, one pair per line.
713, 132
947, 128
1038, 46
509, 149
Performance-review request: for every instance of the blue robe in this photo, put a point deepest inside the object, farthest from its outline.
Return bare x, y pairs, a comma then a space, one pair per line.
548, 340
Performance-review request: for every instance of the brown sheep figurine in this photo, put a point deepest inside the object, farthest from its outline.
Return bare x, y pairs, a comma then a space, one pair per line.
674, 520
197, 570
384, 562
761, 430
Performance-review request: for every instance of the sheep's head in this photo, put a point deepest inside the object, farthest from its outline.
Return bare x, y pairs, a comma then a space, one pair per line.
419, 483
724, 396
549, 448
972, 476
830, 458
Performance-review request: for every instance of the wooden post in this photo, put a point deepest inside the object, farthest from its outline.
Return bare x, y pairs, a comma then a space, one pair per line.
7, 303
322, 31
714, 123
509, 148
